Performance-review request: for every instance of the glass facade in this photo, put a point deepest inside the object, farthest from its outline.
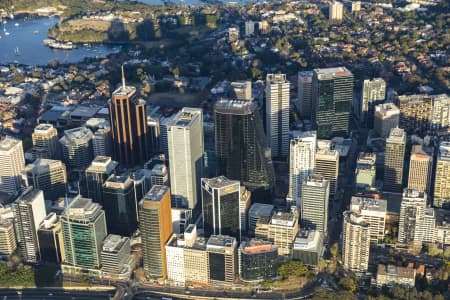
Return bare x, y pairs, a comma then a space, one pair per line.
259, 265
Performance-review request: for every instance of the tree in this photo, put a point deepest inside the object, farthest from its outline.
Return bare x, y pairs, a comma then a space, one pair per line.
293, 268
334, 250
347, 283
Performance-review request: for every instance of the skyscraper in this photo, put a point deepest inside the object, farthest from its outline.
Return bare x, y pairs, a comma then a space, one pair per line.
393, 160
355, 242
305, 94
131, 143
120, 205
314, 204
101, 168
45, 142
415, 112
241, 150
155, 224
442, 180
327, 165
336, 11
301, 163
373, 93
222, 210
13, 162
223, 259
332, 96
29, 212
84, 229
8, 243
102, 142
412, 212
277, 114
420, 168
48, 175
77, 147
50, 239
185, 139
387, 116
373, 212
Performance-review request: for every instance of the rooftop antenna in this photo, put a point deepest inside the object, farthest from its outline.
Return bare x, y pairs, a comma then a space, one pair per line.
123, 78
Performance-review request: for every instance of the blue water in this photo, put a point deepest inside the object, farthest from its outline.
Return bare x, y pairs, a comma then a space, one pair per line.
28, 38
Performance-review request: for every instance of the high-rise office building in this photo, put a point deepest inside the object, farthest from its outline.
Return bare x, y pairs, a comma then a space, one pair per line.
13, 163
355, 242
120, 205
159, 175
115, 256
241, 151
48, 175
314, 204
302, 160
102, 142
130, 136
327, 165
185, 139
393, 160
373, 212
387, 116
412, 211
84, 229
365, 172
155, 224
336, 11
241, 90
441, 196
101, 168
50, 239
29, 212
257, 211
305, 94
8, 243
223, 259
77, 147
277, 114
332, 96
141, 183
415, 112
258, 260
225, 206
45, 142
420, 168
373, 93
440, 116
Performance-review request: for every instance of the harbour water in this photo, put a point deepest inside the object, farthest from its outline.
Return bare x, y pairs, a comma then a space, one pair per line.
21, 41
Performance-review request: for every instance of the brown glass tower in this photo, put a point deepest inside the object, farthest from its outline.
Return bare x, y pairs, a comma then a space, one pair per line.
131, 144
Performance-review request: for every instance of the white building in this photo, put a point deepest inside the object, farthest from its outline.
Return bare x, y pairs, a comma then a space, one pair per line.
373, 212
277, 114
373, 93
249, 28
314, 203
301, 163
355, 242
13, 162
336, 11
387, 116
175, 260
185, 141
412, 212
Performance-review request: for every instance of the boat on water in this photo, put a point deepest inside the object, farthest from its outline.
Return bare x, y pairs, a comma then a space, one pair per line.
36, 32
16, 24
59, 45
17, 51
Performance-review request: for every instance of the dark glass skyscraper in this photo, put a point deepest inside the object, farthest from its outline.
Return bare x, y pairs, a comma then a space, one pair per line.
100, 169
332, 97
240, 144
131, 142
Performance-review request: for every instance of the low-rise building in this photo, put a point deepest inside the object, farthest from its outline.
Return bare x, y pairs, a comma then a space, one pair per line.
115, 257
308, 247
258, 260
388, 275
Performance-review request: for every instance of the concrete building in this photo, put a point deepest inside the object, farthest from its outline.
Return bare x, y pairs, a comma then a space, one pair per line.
115, 257
256, 211
45, 142
420, 169
440, 116
333, 96
8, 243
305, 94
336, 11
50, 238
48, 175
181, 218
365, 173
13, 163
415, 112
356, 6
393, 160
387, 117
308, 247
314, 203
277, 114
442, 180
155, 225
102, 142
84, 229
185, 140
241, 90
175, 260
373, 212
373, 93
223, 259
101, 168
412, 211
77, 147
233, 34
29, 212
250, 28
442, 226
389, 275
258, 260
327, 165
355, 242
225, 206
301, 164
159, 175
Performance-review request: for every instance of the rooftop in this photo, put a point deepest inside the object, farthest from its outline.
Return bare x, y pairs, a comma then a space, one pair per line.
257, 246
329, 73
220, 182
284, 218
8, 143
43, 128
365, 203
355, 219
316, 180
396, 271
84, 112
367, 158
186, 117
397, 136
309, 240
118, 182
77, 135
276, 78
260, 209
156, 193
82, 209
30, 194
102, 164
42, 165
387, 109
221, 241
114, 242
237, 107
412, 193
